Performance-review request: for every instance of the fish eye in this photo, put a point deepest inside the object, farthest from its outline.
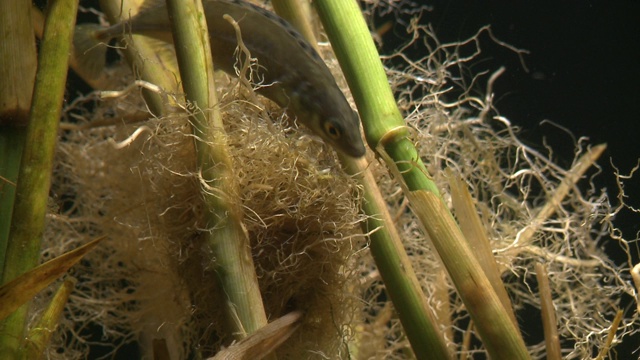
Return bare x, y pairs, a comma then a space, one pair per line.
332, 130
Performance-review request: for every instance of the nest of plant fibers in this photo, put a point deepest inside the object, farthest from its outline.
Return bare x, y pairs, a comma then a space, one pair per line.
153, 279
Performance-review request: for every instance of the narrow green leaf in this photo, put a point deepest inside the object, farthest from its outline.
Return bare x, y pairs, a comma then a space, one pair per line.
26, 286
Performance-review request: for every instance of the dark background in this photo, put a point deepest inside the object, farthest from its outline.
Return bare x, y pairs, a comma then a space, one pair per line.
583, 75
583, 70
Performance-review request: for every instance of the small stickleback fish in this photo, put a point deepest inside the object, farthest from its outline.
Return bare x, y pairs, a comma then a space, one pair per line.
293, 74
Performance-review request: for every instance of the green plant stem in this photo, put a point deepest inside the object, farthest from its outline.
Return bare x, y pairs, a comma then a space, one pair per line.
386, 132
418, 320
386, 247
227, 239
392, 261
34, 177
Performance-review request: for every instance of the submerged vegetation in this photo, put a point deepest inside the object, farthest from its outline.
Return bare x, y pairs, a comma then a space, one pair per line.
356, 269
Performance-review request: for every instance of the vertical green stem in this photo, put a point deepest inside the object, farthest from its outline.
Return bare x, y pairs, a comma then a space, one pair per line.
392, 261
386, 132
400, 281
34, 177
227, 239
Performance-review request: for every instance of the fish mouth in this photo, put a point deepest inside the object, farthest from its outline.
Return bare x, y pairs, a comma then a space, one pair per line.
355, 149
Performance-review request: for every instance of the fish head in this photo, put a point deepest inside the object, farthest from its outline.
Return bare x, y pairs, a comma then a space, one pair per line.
342, 131
330, 116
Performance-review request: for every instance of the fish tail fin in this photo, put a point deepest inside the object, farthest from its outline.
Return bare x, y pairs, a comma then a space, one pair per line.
90, 50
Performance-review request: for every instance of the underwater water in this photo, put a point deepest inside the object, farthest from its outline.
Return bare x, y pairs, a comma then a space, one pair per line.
580, 74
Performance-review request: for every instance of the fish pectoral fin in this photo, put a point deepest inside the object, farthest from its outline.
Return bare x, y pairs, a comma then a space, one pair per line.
276, 93
90, 53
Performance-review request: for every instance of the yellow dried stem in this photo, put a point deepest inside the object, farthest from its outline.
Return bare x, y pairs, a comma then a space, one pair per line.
610, 335
18, 62
41, 333
573, 175
548, 311
476, 235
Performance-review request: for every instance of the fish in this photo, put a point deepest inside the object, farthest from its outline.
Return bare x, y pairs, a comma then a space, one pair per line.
291, 72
